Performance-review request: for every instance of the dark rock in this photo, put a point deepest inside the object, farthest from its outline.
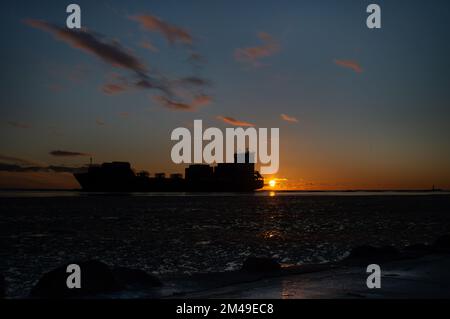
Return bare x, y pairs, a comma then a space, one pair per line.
442, 244
96, 278
135, 278
418, 247
417, 250
257, 264
2, 287
373, 254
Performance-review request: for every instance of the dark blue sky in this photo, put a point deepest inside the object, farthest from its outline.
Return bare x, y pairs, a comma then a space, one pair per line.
372, 106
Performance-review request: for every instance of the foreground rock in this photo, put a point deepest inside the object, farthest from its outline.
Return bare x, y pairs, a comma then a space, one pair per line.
135, 278
2, 287
442, 244
426, 264
257, 264
97, 279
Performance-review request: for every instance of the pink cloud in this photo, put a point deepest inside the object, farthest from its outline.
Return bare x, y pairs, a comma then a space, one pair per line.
124, 114
253, 54
171, 32
233, 121
288, 118
350, 64
197, 101
146, 44
111, 88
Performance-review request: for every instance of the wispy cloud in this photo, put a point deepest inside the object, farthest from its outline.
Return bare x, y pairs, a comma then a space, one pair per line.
112, 88
173, 105
124, 114
18, 124
171, 32
350, 64
109, 51
115, 84
233, 121
198, 101
201, 100
196, 58
288, 118
146, 44
5, 167
113, 53
16, 160
61, 153
254, 54
193, 81
16, 164
99, 122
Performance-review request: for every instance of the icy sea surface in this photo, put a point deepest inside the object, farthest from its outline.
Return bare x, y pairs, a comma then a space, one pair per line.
182, 233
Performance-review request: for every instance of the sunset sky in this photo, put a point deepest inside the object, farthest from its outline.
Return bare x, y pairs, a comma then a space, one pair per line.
356, 108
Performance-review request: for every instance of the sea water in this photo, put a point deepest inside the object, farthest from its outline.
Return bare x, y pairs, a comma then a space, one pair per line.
188, 233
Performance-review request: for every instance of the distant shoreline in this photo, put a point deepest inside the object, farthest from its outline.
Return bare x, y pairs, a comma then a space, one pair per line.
436, 191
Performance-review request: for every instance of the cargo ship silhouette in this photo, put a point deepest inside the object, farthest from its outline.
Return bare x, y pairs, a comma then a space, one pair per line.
120, 177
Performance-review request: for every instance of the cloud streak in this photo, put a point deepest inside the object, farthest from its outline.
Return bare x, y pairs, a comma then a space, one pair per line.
61, 153
349, 64
6, 167
254, 54
114, 54
233, 121
288, 118
18, 124
124, 114
113, 88
197, 101
149, 46
16, 164
193, 81
16, 160
108, 51
171, 32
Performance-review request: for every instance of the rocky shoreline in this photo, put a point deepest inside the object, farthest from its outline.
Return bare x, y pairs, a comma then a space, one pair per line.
101, 281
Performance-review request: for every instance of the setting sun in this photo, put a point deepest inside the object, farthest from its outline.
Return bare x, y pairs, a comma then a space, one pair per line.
272, 183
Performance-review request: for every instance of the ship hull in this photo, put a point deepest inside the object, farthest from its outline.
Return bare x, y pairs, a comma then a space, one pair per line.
91, 183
